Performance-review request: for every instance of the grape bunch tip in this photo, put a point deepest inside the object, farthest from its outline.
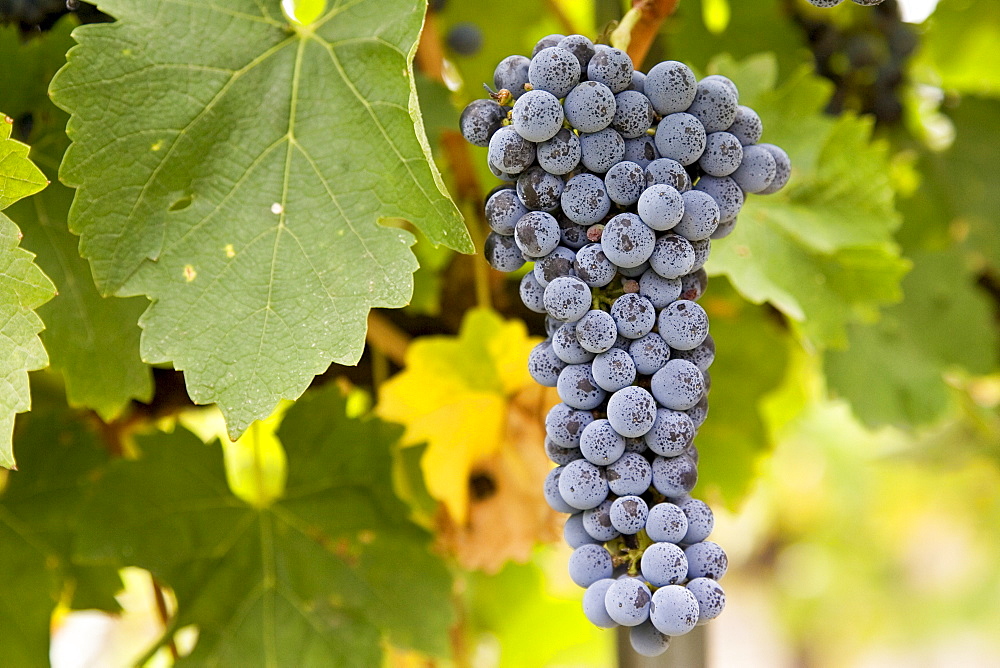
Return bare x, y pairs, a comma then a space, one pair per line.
616, 184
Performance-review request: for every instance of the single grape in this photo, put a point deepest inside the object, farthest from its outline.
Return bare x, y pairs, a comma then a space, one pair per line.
597, 522
552, 494
698, 412
658, 290
630, 475
628, 514
661, 207
634, 315
572, 235
683, 324
627, 241
635, 445
579, 46
700, 520
537, 116
726, 193
757, 170
551, 325
509, 152
673, 476
672, 433
601, 150
678, 385
503, 176
585, 200
664, 564
597, 331
613, 370
634, 272
668, 172
593, 267
670, 87
625, 182
783, 169
649, 353
725, 81
573, 532
700, 218
868, 3
702, 247
503, 210
627, 601
680, 137
647, 641
702, 356
564, 424
567, 298
638, 81
590, 106
559, 455
544, 365
641, 151
666, 523
710, 596
550, 267
465, 39
633, 114
824, 3
561, 154
672, 256
747, 127
512, 74
536, 234
582, 485
723, 154
705, 559
480, 120
554, 70
594, 608
590, 563
577, 388
714, 104
538, 190
601, 444
531, 293
546, 42
674, 610
631, 411
566, 346
502, 253
611, 67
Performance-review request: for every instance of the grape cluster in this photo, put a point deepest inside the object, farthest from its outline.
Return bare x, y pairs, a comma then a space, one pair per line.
867, 59
616, 184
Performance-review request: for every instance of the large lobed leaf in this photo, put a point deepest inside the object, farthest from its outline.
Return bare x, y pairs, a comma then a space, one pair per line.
23, 288
93, 341
821, 250
261, 159
314, 579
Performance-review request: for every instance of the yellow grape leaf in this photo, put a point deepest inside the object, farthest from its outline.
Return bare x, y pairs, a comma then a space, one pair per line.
454, 395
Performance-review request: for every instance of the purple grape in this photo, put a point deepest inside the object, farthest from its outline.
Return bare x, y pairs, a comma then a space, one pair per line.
666, 523
590, 563
664, 564
631, 411
630, 475
613, 370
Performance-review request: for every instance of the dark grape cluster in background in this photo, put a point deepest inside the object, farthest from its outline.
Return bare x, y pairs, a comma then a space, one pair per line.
38, 15
616, 183
865, 59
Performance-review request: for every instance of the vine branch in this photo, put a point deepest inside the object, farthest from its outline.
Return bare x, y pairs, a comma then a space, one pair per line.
639, 27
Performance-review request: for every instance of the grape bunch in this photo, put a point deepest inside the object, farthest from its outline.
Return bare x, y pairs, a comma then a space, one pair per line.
834, 3
616, 183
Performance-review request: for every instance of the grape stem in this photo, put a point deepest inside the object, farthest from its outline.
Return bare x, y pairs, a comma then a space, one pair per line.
639, 27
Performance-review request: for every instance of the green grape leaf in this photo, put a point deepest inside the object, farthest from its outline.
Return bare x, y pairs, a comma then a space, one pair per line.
58, 457
822, 249
960, 47
23, 288
93, 341
316, 578
893, 372
751, 353
261, 159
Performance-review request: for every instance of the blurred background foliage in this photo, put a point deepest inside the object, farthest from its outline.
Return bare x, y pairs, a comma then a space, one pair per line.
853, 449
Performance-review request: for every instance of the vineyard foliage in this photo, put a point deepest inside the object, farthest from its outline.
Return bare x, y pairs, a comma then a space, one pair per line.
247, 343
